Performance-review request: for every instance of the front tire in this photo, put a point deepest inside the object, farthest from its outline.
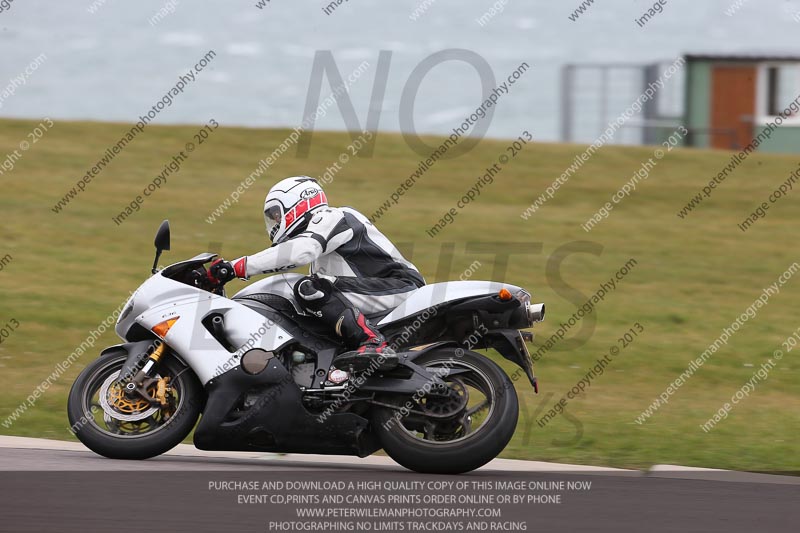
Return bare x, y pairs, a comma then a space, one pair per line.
459, 448
94, 421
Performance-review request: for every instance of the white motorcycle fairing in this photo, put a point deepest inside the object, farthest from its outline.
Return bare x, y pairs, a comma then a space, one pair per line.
245, 329
439, 293
419, 300
161, 299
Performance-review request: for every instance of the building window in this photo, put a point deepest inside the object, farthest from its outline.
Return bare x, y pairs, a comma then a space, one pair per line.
783, 88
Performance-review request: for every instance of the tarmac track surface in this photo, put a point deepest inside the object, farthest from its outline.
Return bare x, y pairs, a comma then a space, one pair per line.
61, 486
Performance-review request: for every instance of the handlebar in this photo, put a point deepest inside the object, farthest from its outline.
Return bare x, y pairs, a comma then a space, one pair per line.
194, 273
201, 278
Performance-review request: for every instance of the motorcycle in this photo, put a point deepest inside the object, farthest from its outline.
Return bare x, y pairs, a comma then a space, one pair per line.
260, 372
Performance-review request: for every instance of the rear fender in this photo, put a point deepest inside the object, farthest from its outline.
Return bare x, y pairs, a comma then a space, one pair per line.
510, 344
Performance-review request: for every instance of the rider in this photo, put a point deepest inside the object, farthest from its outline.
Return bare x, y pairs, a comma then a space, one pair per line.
355, 269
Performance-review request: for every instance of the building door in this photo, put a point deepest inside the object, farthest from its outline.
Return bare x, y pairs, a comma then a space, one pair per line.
733, 106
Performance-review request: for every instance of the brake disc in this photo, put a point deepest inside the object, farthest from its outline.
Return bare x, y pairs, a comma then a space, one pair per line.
118, 406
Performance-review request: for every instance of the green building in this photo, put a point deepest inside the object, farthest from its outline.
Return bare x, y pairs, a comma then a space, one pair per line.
731, 99
725, 101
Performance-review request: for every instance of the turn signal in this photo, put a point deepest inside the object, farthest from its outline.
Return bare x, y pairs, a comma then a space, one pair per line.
504, 294
164, 327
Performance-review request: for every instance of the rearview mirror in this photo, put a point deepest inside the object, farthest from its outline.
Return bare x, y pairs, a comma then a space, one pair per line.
162, 236
161, 242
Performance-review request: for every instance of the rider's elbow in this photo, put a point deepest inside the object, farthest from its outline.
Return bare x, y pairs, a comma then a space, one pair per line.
306, 257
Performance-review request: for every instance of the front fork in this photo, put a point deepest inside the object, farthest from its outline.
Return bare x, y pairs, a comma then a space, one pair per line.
142, 382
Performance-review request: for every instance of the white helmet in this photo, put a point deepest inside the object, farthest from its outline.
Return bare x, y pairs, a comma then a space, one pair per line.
289, 204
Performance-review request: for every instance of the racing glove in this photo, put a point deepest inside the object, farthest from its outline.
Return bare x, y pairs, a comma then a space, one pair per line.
221, 271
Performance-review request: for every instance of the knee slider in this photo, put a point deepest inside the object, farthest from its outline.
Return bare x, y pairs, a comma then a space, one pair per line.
313, 292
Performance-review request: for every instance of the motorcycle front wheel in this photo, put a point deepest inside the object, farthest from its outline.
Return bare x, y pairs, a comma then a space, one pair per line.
114, 425
450, 431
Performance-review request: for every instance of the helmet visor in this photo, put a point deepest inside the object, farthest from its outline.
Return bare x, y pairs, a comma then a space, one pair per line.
273, 215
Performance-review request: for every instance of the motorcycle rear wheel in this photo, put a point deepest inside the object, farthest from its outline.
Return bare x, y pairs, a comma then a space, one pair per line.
452, 446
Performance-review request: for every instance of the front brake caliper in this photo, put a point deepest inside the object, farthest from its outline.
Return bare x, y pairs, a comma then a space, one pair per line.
162, 388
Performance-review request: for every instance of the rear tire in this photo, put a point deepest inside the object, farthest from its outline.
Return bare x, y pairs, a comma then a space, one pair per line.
83, 413
468, 452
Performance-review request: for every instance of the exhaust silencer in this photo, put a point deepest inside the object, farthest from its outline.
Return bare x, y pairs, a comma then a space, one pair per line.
535, 313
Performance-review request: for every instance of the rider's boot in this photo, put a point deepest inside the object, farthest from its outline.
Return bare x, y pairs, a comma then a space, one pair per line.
371, 350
